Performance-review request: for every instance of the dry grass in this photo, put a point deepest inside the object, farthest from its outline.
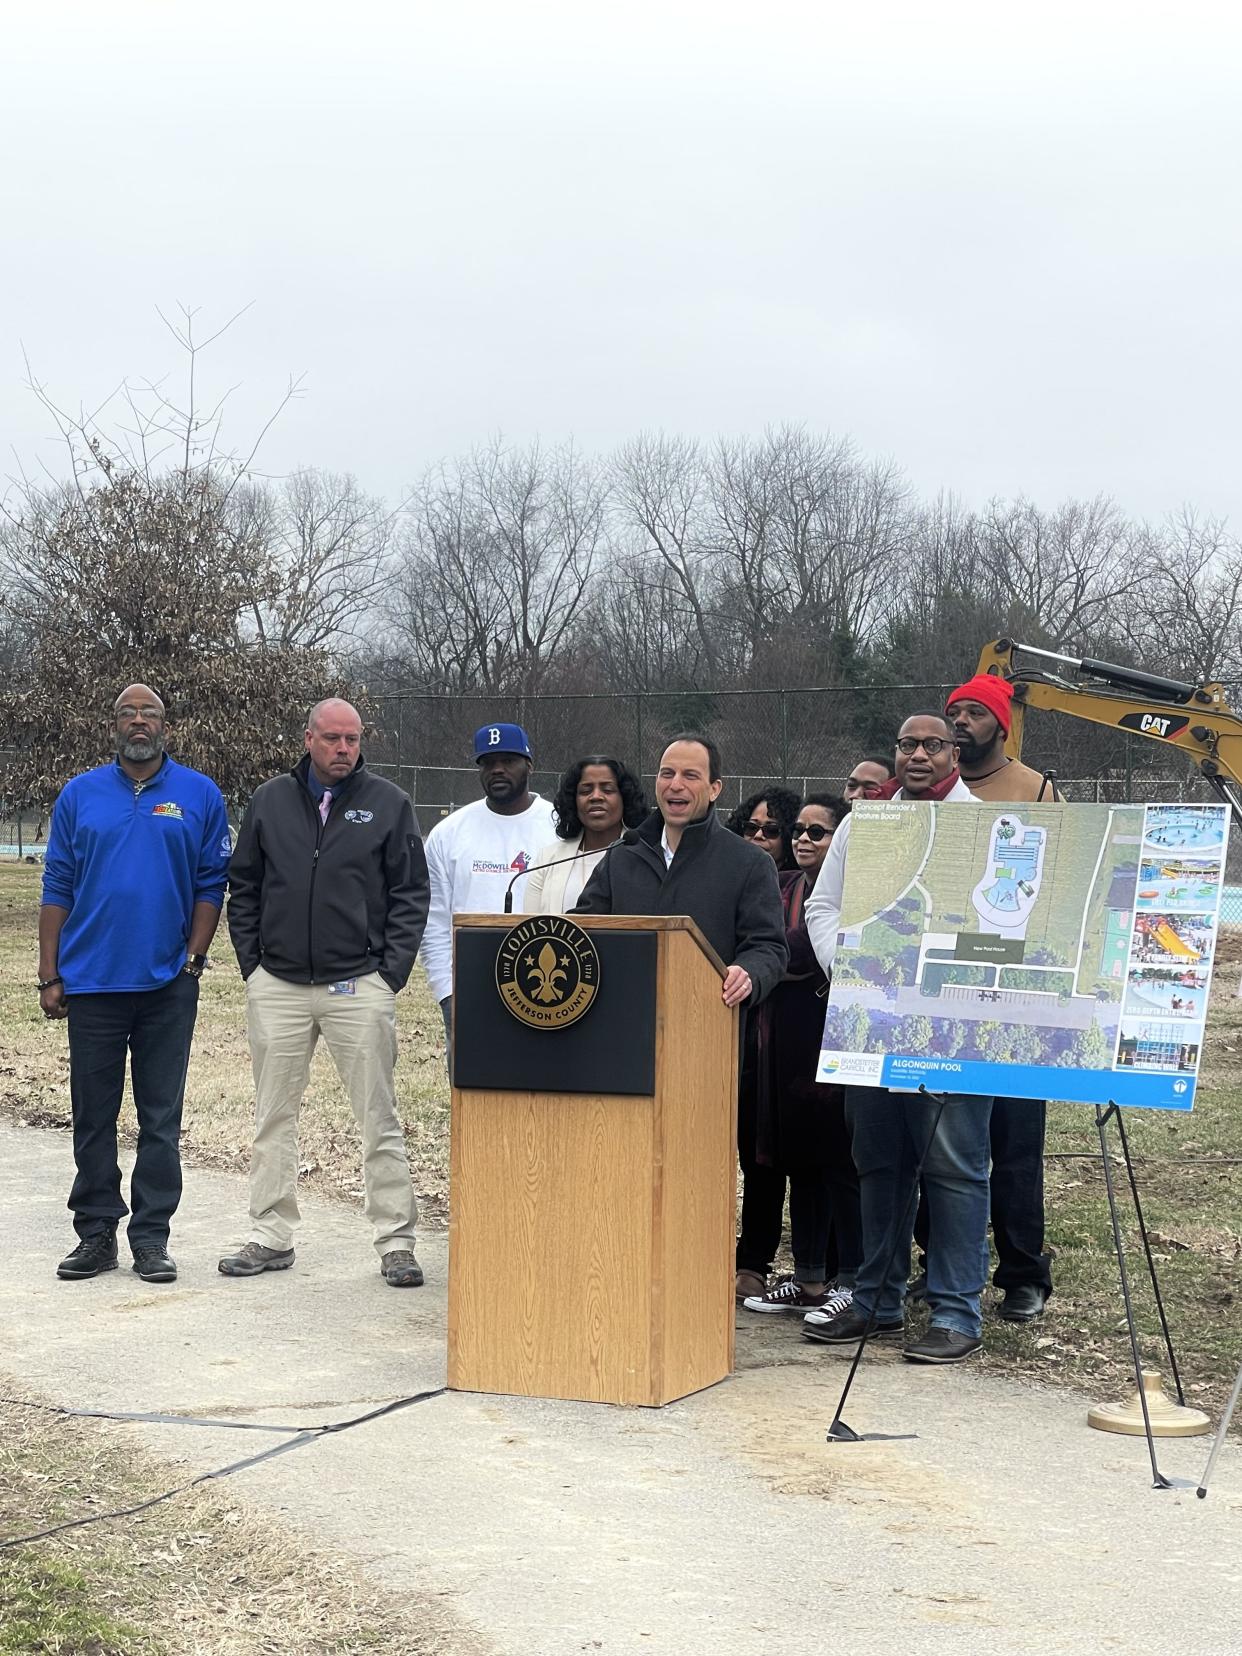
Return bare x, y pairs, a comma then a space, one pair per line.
1189, 1174
34, 1069
1190, 1166
200, 1573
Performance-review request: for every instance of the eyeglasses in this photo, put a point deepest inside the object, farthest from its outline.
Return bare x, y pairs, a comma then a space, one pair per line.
766, 830
931, 745
813, 830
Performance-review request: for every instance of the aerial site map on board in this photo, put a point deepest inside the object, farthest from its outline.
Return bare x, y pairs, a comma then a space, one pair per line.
1030, 951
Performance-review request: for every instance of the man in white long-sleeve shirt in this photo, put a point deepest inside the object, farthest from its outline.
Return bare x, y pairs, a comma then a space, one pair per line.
474, 853
891, 1130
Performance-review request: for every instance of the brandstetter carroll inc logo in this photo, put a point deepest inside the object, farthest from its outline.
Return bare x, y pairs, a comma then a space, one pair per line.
547, 971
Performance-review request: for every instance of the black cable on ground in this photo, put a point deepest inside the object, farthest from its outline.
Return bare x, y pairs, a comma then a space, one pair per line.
300, 1435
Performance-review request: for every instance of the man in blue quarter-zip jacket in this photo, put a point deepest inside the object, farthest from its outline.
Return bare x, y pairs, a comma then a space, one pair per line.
328, 896
132, 888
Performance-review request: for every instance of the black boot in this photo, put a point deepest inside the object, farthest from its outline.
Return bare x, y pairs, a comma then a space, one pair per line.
92, 1255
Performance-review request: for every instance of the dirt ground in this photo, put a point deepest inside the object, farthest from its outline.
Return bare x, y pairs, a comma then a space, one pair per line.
991, 1517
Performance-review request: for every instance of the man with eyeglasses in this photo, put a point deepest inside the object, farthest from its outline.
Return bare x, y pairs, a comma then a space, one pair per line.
132, 888
867, 778
891, 1130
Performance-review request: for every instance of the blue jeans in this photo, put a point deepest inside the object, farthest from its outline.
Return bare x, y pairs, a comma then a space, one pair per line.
1017, 1134
890, 1132
154, 1029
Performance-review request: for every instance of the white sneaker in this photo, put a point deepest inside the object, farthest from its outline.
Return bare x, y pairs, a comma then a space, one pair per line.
839, 1299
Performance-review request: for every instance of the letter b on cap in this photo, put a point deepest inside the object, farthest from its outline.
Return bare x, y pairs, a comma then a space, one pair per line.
493, 736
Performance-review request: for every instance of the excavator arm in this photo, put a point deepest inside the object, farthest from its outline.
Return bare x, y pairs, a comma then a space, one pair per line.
1193, 717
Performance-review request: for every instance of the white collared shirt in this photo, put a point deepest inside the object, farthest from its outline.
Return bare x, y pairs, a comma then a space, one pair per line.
667, 849
823, 907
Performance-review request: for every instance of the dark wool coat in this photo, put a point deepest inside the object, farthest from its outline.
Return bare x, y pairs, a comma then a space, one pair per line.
728, 888
799, 1120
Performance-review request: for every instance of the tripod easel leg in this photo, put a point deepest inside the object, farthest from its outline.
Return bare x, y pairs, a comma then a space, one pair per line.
1102, 1116
1151, 1264
839, 1432
1219, 1439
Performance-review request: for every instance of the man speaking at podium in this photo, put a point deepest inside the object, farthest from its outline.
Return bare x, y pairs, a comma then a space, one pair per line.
683, 860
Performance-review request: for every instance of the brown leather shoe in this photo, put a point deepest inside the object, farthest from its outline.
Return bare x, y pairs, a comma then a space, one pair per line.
253, 1259
400, 1269
748, 1285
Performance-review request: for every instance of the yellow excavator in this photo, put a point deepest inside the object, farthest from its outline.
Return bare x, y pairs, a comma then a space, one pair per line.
1193, 717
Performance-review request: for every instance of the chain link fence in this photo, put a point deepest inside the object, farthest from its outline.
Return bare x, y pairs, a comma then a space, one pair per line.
806, 740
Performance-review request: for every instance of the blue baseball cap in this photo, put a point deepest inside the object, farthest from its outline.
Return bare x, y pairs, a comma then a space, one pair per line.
501, 738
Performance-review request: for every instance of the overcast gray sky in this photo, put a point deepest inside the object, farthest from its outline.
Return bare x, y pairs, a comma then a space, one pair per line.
1001, 245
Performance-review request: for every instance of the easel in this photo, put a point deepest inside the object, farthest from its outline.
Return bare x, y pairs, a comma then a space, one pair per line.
840, 1432
1103, 1115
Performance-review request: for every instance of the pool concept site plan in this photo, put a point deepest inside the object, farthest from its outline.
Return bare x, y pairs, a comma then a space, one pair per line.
1039, 951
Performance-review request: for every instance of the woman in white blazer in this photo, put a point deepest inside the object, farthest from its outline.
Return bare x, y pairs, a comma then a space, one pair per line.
596, 800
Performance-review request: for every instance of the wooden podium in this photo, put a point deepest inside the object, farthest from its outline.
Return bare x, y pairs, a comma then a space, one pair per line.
593, 1173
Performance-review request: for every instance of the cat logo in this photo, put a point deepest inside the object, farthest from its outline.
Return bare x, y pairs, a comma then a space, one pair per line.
1161, 725
547, 971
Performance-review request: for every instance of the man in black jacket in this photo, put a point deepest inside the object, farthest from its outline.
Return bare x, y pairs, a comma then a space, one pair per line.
328, 896
683, 860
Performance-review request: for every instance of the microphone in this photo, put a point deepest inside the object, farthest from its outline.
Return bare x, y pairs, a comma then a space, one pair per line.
629, 837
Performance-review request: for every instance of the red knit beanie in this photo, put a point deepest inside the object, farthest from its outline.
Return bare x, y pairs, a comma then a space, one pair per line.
990, 691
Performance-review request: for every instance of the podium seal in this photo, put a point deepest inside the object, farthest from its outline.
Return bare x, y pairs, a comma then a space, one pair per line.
547, 971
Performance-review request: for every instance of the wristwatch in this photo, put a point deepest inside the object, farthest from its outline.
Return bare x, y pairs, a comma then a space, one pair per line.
194, 965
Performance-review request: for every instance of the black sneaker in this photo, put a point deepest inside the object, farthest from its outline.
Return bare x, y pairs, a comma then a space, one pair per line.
847, 1328
155, 1265
92, 1255
942, 1345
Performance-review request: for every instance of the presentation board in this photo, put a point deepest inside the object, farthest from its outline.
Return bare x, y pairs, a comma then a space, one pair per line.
1031, 951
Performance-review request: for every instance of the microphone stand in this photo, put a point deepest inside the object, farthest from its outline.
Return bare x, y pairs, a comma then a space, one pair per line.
626, 838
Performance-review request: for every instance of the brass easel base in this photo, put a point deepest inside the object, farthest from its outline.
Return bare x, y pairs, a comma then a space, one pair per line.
1168, 1419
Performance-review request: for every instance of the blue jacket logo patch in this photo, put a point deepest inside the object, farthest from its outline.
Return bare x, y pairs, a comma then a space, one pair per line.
359, 816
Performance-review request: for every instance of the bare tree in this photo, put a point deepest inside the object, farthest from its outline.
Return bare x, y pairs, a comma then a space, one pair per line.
1191, 585
808, 538
159, 560
1069, 570
331, 544
641, 631
664, 517
494, 567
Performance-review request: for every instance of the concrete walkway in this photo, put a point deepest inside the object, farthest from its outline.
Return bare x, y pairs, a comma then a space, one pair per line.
721, 1524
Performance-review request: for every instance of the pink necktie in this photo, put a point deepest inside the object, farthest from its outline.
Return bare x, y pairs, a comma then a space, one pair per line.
325, 805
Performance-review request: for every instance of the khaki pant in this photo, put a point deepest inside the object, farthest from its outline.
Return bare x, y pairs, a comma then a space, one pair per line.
285, 1021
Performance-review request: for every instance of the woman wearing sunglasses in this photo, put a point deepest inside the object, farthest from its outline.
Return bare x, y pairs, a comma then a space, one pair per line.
800, 1124
764, 820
